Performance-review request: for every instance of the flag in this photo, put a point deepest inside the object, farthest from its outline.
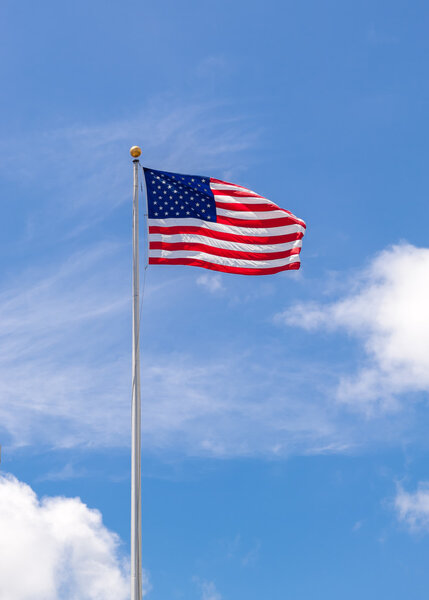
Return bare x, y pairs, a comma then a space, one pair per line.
209, 223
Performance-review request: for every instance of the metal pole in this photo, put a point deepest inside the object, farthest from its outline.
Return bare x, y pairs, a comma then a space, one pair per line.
136, 541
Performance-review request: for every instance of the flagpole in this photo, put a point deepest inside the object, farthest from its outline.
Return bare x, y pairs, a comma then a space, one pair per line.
136, 541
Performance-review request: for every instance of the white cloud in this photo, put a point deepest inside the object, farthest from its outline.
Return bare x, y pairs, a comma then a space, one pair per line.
211, 282
412, 508
387, 311
56, 548
208, 590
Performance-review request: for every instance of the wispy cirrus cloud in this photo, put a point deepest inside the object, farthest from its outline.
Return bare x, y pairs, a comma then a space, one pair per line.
84, 169
207, 589
211, 282
52, 321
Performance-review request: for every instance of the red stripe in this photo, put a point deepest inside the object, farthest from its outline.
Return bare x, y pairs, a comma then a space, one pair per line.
214, 267
252, 207
229, 237
236, 193
258, 223
222, 251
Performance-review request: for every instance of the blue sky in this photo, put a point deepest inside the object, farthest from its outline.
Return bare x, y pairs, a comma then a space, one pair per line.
284, 417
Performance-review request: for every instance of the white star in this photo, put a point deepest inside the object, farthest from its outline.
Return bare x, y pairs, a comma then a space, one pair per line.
187, 212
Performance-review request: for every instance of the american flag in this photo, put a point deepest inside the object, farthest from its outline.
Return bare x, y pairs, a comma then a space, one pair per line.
206, 222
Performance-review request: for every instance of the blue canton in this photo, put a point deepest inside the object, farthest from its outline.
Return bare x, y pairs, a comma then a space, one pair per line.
175, 196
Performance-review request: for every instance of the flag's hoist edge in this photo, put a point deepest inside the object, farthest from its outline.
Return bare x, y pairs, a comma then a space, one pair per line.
218, 225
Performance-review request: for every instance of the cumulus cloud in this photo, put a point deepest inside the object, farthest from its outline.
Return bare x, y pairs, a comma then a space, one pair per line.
387, 312
412, 508
56, 549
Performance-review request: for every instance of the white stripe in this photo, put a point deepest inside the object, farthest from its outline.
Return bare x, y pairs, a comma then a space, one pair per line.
253, 231
243, 199
229, 186
222, 260
237, 200
263, 214
201, 239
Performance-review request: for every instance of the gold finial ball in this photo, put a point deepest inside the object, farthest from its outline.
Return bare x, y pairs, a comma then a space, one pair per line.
135, 151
